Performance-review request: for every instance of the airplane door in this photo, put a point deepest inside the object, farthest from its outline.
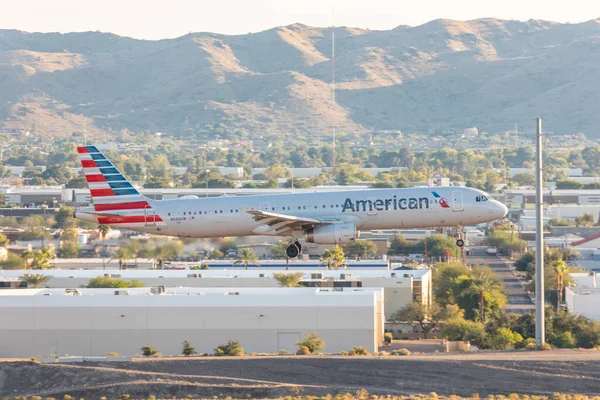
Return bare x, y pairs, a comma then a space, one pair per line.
457, 201
149, 216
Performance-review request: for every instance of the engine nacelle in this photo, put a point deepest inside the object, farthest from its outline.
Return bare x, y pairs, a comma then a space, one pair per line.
331, 234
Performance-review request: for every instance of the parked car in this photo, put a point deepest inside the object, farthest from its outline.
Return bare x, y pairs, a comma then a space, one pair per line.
492, 251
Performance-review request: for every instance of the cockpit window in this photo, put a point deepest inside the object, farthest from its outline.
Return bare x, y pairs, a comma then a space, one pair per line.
481, 198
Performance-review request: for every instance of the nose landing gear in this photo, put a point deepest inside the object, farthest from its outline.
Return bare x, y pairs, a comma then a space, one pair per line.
459, 235
293, 250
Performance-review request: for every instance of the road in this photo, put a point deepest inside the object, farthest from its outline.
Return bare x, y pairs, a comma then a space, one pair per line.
518, 300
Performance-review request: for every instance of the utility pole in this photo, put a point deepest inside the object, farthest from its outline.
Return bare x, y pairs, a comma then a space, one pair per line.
539, 242
333, 149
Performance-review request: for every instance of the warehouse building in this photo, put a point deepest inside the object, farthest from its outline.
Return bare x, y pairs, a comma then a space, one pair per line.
400, 287
94, 322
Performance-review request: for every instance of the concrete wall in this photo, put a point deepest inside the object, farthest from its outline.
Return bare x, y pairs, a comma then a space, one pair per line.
91, 325
586, 304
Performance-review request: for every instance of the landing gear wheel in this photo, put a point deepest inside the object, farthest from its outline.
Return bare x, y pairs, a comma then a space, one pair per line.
292, 251
460, 243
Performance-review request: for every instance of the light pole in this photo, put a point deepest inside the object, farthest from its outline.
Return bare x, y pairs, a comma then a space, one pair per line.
207, 171
539, 242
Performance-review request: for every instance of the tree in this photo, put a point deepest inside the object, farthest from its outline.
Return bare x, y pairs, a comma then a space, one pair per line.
524, 179
426, 315
312, 341
64, 218
333, 258
38, 259
459, 329
561, 269
586, 219
361, 248
108, 282
188, 350
3, 240
246, 256
288, 280
481, 284
103, 231
12, 261
231, 348
122, 254
68, 250
35, 280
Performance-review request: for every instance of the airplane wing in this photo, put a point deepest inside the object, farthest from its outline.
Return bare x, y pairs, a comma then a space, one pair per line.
276, 224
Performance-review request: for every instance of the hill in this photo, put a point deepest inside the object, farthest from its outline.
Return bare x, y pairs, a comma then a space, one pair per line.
442, 75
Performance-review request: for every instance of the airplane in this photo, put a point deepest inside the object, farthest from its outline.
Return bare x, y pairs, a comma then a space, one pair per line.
323, 218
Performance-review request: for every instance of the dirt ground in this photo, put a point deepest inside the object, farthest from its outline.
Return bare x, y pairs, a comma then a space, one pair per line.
565, 371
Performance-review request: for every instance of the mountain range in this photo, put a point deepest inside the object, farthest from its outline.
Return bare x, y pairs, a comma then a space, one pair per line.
440, 76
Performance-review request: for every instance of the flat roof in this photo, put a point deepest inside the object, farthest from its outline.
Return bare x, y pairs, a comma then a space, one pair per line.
354, 274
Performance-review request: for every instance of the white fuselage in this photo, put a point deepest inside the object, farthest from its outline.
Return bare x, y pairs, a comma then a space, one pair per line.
367, 209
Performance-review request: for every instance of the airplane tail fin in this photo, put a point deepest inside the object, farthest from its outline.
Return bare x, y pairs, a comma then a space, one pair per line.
112, 194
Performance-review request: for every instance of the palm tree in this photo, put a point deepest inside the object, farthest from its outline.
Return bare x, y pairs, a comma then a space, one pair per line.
122, 254
560, 268
35, 280
333, 258
103, 231
246, 256
38, 259
288, 280
482, 284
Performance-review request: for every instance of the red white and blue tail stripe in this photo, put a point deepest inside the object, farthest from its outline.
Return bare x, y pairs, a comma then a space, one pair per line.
115, 199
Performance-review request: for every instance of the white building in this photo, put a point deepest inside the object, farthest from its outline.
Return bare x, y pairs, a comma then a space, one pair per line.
400, 287
584, 297
94, 322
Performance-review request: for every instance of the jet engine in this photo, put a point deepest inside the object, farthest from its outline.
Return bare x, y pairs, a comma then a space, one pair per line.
331, 234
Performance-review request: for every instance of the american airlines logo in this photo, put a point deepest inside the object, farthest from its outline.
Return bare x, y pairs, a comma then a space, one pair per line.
394, 203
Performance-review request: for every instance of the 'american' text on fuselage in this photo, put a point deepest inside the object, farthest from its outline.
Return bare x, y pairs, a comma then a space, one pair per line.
410, 203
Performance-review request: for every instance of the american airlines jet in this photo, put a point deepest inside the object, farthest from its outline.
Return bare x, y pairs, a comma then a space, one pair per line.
324, 218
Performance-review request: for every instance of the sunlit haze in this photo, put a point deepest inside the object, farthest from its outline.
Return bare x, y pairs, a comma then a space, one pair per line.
154, 19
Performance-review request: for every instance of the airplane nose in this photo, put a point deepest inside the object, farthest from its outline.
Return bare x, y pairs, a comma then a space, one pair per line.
500, 210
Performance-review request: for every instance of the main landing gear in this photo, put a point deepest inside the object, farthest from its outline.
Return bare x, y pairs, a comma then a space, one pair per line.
293, 250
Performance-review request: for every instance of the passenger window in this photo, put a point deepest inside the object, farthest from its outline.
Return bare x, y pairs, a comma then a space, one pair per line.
478, 198
169, 214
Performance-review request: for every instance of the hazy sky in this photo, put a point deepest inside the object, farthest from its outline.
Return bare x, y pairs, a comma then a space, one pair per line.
155, 19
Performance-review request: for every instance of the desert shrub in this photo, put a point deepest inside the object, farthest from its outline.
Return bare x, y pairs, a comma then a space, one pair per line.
282, 352
231, 348
384, 353
565, 340
149, 351
312, 341
343, 353
401, 352
528, 344
125, 397
359, 351
113, 354
388, 337
188, 350
504, 339
544, 347
303, 351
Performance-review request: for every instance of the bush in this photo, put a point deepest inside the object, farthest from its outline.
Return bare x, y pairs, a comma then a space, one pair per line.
383, 353
388, 337
188, 350
504, 339
544, 347
312, 341
565, 340
343, 353
283, 352
231, 348
149, 351
113, 354
303, 351
359, 351
528, 344
401, 352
